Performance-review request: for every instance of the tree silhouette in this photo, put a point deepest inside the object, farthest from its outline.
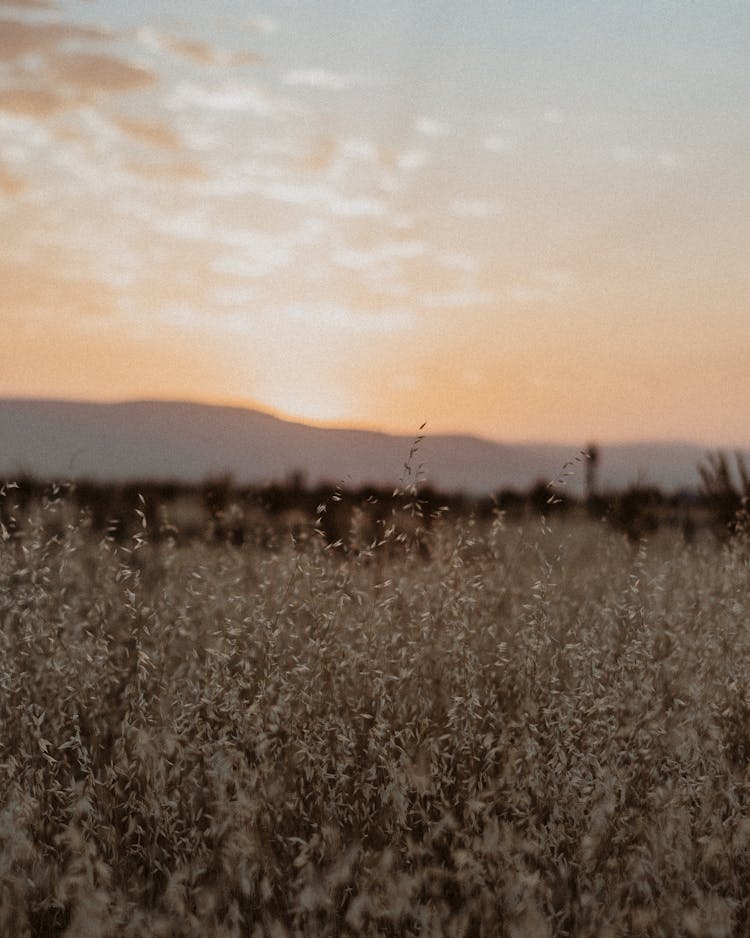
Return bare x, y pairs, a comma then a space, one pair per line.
727, 497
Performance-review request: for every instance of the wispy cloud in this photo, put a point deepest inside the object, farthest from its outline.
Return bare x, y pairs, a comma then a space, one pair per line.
667, 159
172, 171
236, 179
262, 23
412, 159
78, 160
337, 321
259, 263
35, 102
323, 78
321, 154
195, 50
10, 183
93, 73
454, 260
457, 299
456, 285
553, 115
238, 253
23, 138
430, 127
358, 149
332, 317
475, 208
231, 96
324, 197
499, 143
37, 296
626, 154
29, 4
20, 37
545, 286
382, 256
190, 225
148, 132
239, 295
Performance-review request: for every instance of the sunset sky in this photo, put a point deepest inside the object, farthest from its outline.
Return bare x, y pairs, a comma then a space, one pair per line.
526, 220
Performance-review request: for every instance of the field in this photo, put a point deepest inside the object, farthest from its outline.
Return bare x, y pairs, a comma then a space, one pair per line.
494, 729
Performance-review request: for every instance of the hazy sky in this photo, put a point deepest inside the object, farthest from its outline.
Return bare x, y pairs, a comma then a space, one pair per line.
524, 220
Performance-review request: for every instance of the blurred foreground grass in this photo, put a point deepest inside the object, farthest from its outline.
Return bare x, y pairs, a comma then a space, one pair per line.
523, 731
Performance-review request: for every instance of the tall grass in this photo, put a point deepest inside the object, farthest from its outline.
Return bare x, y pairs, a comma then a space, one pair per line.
524, 732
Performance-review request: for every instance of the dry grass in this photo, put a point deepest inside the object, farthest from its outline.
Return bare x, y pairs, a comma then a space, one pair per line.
532, 733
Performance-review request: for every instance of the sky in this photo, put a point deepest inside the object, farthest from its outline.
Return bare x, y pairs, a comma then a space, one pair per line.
527, 221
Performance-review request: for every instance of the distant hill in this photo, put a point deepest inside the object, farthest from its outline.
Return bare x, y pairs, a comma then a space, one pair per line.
187, 441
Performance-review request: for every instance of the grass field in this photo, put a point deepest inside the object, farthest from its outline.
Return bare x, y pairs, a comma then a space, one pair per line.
523, 731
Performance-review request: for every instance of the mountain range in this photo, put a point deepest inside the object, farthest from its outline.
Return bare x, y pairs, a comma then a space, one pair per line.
159, 440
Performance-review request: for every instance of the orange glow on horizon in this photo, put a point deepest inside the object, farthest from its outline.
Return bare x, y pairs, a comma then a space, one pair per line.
523, 258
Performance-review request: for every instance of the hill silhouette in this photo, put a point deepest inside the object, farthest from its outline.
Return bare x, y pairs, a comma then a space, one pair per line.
190, 442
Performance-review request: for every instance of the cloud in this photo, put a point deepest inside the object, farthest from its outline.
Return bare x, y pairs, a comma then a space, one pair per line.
383, 256
337, 321
86, 159
252, 252
546, 286
329, 317
34, 102
37, 292
626, 154
384, 269
453, 260
667, 159
171, 171
351, 156
29, 4
229, 97
149, 132
412, 159
244, 253
457, 299
191, 225
321, 154
499, 143
348, 157
262, 24
475, 208
23, 138
95, 72
195, 50
403, 381
234, 296
259, 263
430, 127
629, 155
18, 38
205, 54
553, 116
237, 179
358, 149
323, 197
10, 183
322, 78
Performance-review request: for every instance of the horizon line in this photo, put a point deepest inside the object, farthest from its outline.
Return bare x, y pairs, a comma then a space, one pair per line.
246, 404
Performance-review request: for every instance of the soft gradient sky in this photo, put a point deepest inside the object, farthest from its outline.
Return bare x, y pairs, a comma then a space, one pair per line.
523, 220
